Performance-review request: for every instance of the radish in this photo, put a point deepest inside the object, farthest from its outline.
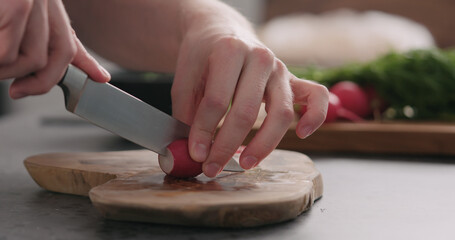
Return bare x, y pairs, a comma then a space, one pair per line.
177, 162
336, 110
352, 97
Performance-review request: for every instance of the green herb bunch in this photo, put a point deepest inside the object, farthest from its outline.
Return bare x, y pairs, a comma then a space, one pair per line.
423, 80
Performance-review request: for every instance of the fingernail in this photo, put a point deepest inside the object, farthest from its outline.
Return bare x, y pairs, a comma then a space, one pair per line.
200, 152
17, 95
306, 131
212, 169
249, 162
105, 72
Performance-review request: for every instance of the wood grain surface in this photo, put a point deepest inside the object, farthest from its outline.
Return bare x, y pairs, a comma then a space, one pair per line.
129, 185
386, 137
415, 138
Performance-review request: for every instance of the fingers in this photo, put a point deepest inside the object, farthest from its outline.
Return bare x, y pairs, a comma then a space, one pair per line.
48, 47
281, 90
88, 64
315, 97
224, 67
33, 50
13, 19
248, 74
280, 114
189, 83
243, 112
62, 50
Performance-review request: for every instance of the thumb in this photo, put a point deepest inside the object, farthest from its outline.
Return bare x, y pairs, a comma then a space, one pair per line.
88, 64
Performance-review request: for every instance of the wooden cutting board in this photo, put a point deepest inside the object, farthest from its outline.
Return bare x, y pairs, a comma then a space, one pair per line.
388, 137
423, 138
129, 185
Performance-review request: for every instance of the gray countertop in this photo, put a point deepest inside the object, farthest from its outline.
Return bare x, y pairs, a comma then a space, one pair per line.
365, 197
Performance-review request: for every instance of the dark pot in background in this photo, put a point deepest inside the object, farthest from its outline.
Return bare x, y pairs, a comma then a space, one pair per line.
152, 88
5, 105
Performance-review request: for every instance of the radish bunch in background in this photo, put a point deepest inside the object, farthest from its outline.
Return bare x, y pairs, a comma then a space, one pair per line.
347, 100
352, 98
336, 110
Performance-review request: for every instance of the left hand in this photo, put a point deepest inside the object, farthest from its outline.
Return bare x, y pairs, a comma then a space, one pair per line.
222, 64
37, 44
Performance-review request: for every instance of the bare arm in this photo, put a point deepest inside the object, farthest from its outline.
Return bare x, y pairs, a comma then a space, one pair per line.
143, 34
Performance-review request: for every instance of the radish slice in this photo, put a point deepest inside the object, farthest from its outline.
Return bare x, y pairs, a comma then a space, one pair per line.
177, 162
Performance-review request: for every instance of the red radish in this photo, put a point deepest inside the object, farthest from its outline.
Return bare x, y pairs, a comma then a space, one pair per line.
352, 97
177, 162
336, 110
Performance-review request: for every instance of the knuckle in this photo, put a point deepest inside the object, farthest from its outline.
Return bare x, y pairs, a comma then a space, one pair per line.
8, 56
321, 89
267, 147
287, 114
245, 115
202, 132
229, 46
225, 151
263, 56
280, 67
215, 103
37, 62
230, 42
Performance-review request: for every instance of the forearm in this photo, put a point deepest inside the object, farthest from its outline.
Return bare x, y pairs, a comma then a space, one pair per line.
145, 34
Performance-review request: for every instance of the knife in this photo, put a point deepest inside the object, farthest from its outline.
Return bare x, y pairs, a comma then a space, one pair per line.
123, 114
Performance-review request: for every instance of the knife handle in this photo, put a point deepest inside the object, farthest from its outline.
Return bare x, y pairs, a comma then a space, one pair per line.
72, 84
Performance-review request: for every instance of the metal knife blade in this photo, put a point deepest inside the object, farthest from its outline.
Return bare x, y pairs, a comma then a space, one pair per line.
123, 114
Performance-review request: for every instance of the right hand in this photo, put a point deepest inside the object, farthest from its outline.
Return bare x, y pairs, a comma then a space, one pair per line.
37, 45
224, 71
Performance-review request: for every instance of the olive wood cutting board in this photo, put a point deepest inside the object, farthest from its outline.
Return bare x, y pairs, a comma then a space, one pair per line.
129, 185
416, 138
387, 137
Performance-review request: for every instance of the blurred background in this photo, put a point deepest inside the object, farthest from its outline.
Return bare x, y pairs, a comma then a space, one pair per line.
321, 34
435, 15
335, 32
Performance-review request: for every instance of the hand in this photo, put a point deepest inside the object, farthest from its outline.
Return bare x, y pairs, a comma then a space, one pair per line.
220, 60
37, 44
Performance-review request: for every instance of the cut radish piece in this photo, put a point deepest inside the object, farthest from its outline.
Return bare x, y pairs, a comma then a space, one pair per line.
177, 162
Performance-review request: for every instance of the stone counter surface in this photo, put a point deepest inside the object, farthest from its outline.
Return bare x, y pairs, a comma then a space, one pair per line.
365, 196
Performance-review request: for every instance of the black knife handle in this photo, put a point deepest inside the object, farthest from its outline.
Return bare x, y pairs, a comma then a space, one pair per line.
72, 84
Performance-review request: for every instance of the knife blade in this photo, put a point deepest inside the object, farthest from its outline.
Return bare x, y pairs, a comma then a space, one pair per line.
121, 113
